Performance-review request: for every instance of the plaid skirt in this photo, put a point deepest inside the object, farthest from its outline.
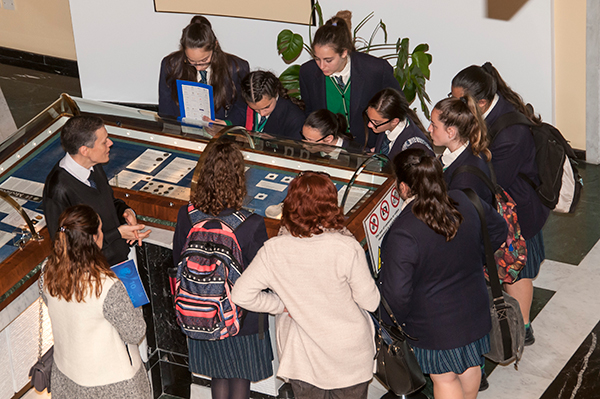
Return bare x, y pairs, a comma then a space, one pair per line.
456, 360
244, 356
536, 253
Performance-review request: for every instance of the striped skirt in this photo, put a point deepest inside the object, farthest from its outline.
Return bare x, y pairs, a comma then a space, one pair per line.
241, 356
456, 360
536, 253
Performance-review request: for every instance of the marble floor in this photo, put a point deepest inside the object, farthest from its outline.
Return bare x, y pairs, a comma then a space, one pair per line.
565, 360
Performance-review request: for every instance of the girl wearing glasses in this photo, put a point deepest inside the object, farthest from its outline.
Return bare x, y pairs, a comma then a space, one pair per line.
324, 334
270, 109
396, 125
325, 127
200, 59
341, 79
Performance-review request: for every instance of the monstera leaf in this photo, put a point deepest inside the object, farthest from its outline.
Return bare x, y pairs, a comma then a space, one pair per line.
289, 45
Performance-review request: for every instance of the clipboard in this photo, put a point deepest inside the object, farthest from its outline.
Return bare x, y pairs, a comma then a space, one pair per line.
195, 101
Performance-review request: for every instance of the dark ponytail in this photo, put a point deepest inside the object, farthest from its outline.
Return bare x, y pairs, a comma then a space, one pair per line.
424, 177
463, 113
328, 123
483, 82
336, 33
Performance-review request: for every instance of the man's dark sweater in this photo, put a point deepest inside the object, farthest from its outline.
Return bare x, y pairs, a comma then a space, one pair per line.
63, 190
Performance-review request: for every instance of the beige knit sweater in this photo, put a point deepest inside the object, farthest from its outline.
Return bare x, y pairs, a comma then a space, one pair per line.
327, 339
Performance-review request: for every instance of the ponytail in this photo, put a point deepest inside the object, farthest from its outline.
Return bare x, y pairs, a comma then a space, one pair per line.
424, 177
464, 114
483, 82
336, 33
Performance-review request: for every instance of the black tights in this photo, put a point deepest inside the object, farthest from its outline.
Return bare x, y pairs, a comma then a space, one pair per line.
230, 388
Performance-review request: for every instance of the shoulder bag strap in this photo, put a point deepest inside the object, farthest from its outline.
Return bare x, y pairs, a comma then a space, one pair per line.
506, 120
498, 297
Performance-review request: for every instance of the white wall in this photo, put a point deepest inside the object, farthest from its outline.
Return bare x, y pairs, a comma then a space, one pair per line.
120, 43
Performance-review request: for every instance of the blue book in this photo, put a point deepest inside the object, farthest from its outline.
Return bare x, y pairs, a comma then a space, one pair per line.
195, 101
128, 274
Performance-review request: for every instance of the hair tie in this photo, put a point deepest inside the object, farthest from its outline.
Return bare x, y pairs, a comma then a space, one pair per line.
464, 100
334, 24
62, 229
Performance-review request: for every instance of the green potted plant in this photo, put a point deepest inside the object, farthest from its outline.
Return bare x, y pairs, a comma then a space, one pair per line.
411, 69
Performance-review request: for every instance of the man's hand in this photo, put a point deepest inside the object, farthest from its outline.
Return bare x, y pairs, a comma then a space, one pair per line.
133, 233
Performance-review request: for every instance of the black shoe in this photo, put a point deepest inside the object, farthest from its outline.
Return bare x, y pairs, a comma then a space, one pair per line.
484, 384
529, 338
416, 395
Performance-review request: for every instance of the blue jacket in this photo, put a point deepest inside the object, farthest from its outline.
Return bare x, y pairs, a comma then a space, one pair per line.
368, 75
237, 112
513, 152
436, 288
411, 137
469, 180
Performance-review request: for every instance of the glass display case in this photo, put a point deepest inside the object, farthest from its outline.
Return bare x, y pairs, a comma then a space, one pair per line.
152, 167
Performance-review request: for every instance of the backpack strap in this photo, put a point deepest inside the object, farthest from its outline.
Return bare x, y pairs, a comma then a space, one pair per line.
491, 184
506, 120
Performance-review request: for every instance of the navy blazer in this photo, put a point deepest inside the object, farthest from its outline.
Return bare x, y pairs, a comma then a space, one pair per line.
469, 180
251, 235
513, 152
237, 112
368, 75
286, 120
436, 288
411, 137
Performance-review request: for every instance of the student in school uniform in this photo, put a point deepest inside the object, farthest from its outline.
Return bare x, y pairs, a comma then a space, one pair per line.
513, 154
397, 127
457, 125
200, 59
342, 79
270, 109
432, 275
325, 127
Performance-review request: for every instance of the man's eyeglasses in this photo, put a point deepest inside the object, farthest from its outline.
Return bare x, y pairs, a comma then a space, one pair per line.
375, 125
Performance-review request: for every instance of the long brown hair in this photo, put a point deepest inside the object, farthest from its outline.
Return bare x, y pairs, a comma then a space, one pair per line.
424, 177
483, 82
222, 182
463, 113
199, 34
311, 205
76, 265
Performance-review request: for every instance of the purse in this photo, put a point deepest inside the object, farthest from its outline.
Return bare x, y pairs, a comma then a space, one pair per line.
397, 366
40, 372
507, 337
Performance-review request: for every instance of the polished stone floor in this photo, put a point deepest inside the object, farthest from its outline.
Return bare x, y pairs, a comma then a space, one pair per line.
565, 360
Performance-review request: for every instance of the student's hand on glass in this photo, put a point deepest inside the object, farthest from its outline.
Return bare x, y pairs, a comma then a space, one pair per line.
216, 121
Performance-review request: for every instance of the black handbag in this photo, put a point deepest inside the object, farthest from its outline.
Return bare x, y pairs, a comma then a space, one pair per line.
397, 367
40, 372
507, 337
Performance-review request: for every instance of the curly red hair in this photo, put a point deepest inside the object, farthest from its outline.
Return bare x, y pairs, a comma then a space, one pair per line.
311, 205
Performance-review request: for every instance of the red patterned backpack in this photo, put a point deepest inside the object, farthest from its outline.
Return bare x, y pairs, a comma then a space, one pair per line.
512, 255
211, 262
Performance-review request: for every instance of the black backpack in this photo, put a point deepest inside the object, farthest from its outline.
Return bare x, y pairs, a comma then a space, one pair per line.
560, 182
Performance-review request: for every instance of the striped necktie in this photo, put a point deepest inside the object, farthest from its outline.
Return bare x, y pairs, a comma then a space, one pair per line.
385, 145
340, 82
203, 77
